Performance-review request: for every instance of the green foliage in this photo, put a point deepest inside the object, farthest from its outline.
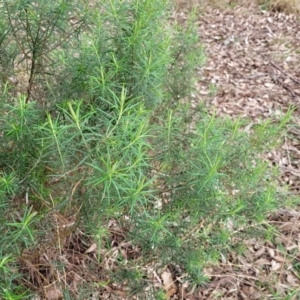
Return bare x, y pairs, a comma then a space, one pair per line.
32, 32
187, 53
102, 133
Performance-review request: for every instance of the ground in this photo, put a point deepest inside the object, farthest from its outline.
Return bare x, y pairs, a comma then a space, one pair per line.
252, 71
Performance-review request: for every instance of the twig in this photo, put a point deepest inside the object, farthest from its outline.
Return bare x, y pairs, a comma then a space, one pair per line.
287, 150
256, 76
283, 72
288, 89
276, 80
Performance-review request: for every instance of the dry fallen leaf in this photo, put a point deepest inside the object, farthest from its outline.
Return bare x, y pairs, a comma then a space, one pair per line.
260, 252
52, 292
262, 261
168, 283
271, 252
92, 248
280, 258
275, 266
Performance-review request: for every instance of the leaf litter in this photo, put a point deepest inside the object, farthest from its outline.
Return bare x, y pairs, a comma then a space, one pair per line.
252, 71
253, 63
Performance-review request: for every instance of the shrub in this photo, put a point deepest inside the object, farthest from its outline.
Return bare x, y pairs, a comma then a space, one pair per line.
103, 134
